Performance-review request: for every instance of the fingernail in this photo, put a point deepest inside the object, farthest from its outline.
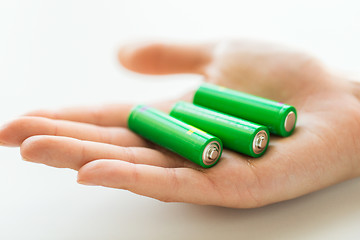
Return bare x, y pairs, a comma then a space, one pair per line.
25, 159
82, 182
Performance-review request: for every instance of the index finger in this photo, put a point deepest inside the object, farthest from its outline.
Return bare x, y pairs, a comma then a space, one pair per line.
104, 115
109, 115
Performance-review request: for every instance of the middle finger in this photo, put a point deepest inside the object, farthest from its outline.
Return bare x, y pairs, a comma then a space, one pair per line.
65, 152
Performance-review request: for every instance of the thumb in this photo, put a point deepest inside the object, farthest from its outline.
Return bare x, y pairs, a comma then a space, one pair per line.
160, 58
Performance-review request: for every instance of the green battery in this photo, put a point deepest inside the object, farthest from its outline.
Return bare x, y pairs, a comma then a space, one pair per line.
236, 134
280, 118
190, 142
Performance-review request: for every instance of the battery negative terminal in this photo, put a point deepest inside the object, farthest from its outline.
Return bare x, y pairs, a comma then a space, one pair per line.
211, 153
260, 141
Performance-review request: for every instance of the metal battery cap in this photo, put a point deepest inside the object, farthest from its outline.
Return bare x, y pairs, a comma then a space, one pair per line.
260, 141
211, 153
290, 121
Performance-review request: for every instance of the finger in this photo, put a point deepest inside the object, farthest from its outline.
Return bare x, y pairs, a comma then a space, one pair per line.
160, 58
165, 184
107, 115
15, 132
64, 152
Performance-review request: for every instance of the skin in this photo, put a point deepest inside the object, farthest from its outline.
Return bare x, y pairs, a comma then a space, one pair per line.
95, 141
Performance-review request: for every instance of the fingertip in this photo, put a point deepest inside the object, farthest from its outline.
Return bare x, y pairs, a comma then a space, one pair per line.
86, 175
140, 57
10, 132
98, 172
29, 148
162, 58
40, 149
123, 55
87, 172
4, 136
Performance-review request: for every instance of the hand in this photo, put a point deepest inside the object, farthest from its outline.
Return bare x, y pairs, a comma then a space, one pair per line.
323, 150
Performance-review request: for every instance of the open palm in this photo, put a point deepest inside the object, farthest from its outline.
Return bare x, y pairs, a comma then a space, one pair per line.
95, 140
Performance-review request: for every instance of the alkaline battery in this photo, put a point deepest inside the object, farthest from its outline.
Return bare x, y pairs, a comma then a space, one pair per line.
236, 134
188, 141
280, 118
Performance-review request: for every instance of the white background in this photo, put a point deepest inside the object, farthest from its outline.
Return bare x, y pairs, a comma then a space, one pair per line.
62, 53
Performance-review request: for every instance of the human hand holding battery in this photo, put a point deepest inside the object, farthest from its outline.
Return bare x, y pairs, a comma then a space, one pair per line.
322, 151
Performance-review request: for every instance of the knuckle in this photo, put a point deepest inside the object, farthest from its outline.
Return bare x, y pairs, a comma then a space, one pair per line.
97, 115
130, 155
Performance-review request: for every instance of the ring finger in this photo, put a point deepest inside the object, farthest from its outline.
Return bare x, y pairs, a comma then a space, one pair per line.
65, 152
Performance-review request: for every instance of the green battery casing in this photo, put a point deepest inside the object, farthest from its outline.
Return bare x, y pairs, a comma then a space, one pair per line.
278, 117
173, 134
235, 133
